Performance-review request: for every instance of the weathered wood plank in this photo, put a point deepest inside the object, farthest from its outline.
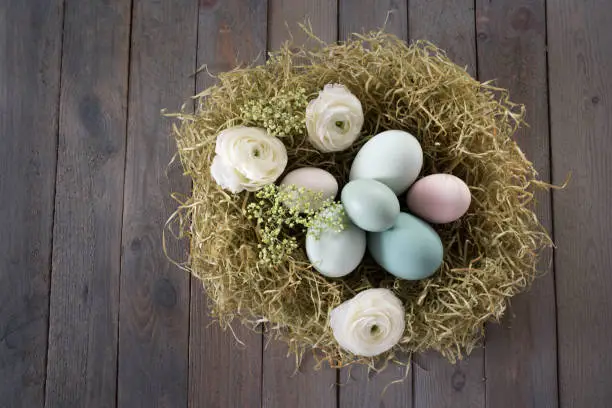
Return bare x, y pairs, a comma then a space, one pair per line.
358, 16
580, 57
31, 34
82, 362
360, 388
389, 388
308, 388
284, 17
521, 352
437, 383
449, 25
154, 304
223, 373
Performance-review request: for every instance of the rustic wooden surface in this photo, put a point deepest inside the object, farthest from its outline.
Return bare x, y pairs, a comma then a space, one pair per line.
511, 42
82, 357
580, 87
91, 312
153, 366
30, 46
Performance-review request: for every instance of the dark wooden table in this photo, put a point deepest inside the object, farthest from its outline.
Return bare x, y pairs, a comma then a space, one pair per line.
93, 315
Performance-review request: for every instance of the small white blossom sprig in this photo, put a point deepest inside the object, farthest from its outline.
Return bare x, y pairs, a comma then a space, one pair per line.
279, 225
281, 115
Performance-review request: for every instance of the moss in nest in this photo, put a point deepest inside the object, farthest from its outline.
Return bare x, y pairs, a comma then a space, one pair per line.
465, 128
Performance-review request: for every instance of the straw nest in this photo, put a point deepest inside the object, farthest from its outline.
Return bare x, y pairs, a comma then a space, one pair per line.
465, 128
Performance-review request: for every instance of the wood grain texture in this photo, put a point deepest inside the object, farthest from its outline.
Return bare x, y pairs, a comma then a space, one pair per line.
82, 362
308, 387
284, 17
449, 25
222, 372
389, 388
521, 353
358, 16
30, 48
359, 388
580, 57
437, 383
154, 301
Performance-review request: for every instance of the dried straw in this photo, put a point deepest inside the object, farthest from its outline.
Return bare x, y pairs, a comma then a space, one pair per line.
465, 128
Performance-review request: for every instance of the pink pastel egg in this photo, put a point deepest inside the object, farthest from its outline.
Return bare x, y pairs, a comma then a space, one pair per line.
439, 198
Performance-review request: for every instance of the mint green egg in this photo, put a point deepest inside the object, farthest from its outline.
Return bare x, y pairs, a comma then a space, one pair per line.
411, 249
370, 204
336, 253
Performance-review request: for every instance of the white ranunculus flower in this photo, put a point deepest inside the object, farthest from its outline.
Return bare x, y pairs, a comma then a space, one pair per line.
370, 323
248, 158
334, 119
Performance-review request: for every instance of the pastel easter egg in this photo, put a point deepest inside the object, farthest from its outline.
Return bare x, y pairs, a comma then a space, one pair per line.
371, 205
439, 198
336, 253
393, 157
411, 249
314, 180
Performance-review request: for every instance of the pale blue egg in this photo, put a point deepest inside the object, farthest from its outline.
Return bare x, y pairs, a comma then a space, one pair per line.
411, 249
335, 254
393, 157
371, 205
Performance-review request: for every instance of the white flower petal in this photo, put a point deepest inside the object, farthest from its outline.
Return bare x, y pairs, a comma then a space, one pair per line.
334, 119
370, 323
225, 175
248, 158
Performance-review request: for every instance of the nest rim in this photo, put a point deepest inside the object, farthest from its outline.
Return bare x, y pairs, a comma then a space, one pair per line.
465, 128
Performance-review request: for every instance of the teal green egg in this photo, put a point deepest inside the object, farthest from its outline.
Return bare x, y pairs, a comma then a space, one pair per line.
370, 204
411, 249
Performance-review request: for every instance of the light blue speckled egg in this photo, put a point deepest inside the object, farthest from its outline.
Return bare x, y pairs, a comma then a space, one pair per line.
335, 254
393, 157
371, 205
411, 249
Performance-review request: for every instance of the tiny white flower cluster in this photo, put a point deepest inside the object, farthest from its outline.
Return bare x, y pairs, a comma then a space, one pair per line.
281, 115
